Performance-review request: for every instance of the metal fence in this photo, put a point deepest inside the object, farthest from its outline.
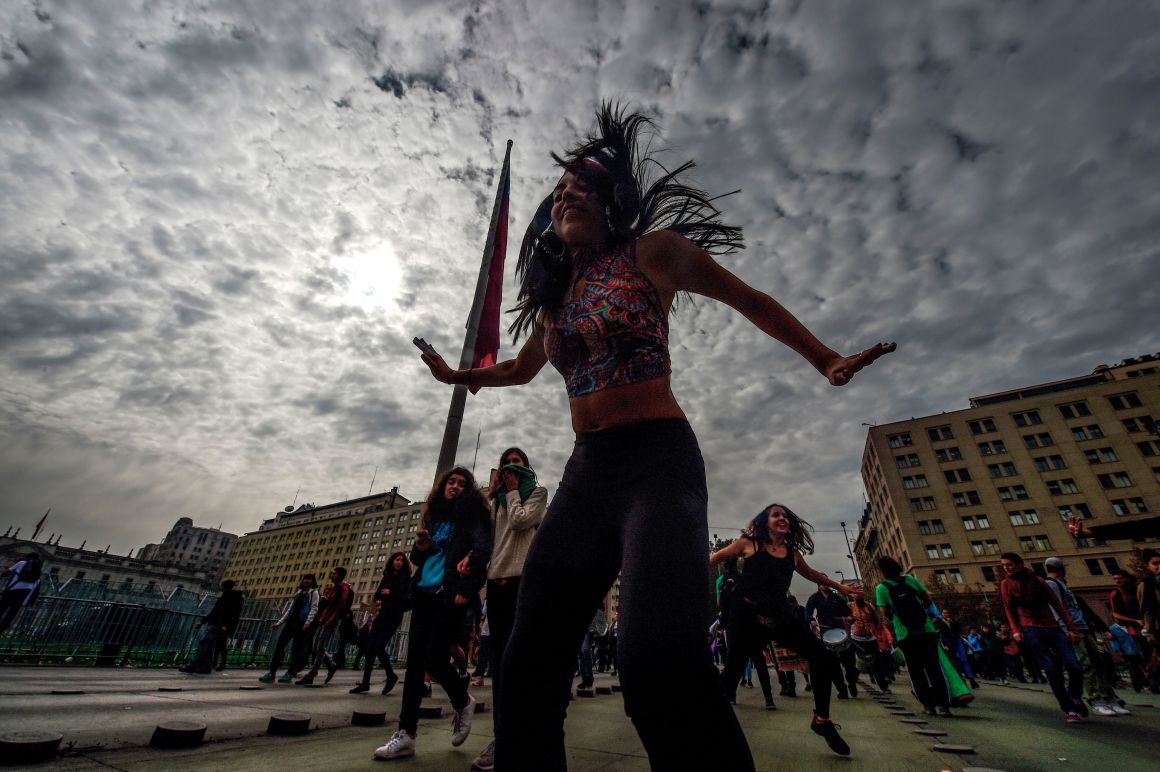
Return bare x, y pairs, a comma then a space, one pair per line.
90, 623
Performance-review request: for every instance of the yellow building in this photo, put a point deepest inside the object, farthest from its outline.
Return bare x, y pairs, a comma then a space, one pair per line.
949, 493
269, 563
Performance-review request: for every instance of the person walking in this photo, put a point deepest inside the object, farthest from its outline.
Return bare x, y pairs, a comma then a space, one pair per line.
604, 258
773, 547
216, 628
335, 608
23, 587
297, 623
451, 553
393, 598
904, 601
827, 610
1029, 606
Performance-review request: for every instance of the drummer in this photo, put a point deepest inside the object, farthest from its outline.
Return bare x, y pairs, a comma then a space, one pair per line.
773, 546
827, 610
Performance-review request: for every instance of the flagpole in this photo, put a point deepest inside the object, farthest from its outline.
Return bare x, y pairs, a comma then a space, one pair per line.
459, 392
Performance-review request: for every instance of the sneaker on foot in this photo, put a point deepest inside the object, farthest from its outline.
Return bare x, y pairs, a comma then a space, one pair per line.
1081, 708
361, 688
829, 731
392, 679
485, 761
769, 705
461, 722
400, 745
285, 678
331, 669
1119, 710
267, 679
1101, 708
853, 690
305, 680
1074, 718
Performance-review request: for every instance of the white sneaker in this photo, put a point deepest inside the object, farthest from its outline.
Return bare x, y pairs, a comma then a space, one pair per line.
461, 722
1102, 708
399, 746
485, 761
1118, 709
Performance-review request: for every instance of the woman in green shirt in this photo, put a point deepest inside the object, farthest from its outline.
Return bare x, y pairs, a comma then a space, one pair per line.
904, 600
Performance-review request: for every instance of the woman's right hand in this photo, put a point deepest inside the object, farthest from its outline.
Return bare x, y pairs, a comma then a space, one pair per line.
438, 367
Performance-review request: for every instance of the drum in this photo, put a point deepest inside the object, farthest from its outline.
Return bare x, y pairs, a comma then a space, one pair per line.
836, 639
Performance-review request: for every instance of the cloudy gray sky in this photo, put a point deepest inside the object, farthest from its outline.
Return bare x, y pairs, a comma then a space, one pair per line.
221, 223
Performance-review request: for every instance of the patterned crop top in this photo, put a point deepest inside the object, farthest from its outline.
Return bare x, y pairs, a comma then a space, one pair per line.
615, 333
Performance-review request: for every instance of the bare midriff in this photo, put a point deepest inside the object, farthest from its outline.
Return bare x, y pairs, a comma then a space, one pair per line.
620, 405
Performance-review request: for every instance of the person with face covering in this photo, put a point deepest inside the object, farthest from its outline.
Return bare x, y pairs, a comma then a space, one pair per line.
392, 597
451, 552
606, 255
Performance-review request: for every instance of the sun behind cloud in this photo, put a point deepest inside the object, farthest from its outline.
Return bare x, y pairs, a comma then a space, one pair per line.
373, 277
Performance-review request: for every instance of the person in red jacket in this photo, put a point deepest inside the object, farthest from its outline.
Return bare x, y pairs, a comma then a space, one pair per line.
1029, 603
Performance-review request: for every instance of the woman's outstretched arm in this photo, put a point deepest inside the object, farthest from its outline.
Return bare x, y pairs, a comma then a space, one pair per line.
512, 372
676, 264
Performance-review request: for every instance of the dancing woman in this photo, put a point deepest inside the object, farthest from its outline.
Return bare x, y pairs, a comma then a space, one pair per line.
600, 266
773, 547
392, 596
517, 509
452, 547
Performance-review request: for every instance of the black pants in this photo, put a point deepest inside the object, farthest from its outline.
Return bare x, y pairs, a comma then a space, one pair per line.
633, 501
11, 601
382, 629
436, 623
930, 685
747, 635
501, 618
845, 660
293, 635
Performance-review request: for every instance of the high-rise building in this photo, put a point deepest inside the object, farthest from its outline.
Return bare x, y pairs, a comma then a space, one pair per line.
269, 563
949, 493
187, 546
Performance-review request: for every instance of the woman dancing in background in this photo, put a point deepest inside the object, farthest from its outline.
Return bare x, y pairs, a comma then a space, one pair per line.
600, 266
773, 547
392, 597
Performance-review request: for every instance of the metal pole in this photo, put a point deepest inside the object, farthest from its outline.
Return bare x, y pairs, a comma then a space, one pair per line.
850, 552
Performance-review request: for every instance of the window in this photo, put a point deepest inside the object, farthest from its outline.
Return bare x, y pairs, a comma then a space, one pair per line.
1093, 567
992, 448
977, 547
1075, 410
390, 518
924, 527
1141, 423
1100, 455
1068, 511
957, 475
982, 426
1006, 469
1149, 448
1089, 432
925, 503
991, 546
1047, 463
1041, 440
917, 481
1060, 487
1124, 401
932, 551
1115, 480
1111, 565
936, 526
378, 521
939, 433
946, 550
1016, 517
910, 459
989, 573
968, 523
1131, 506
982, 522
365, 536
1037, 543
1013, 493
955, 575
949, 454
1028, 418
900, 440
967, 499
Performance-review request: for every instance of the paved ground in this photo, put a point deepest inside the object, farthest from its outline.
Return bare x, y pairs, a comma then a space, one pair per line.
109, 726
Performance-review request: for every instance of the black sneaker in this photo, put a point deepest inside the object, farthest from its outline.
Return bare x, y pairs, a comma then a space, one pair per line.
769, 704
392, 679
361, 688
829, 731
853, 690
331, 669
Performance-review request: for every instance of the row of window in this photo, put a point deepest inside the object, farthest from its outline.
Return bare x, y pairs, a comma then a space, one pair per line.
1094, 456
953, 575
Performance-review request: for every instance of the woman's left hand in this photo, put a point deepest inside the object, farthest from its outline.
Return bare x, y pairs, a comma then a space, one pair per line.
464, 566
461, 600
510, 481
841, 370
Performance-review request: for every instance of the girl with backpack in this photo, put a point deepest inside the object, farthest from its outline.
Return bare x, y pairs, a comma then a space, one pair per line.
904, 600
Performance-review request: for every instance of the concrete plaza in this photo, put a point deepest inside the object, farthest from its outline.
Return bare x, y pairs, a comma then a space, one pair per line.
109, 725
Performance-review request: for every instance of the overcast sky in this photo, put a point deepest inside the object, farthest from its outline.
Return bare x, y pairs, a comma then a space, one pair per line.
222, 223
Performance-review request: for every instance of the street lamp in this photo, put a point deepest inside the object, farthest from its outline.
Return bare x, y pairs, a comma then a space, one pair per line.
841, 574
850, 552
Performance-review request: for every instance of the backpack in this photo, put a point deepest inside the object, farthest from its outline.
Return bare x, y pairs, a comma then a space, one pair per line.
907, 605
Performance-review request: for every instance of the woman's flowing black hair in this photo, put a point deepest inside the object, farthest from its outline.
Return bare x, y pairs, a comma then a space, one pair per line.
406, 569
799, 537
640, 195
437, 504
518, 452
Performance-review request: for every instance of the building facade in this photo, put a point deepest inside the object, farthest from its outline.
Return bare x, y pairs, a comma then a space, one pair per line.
949, 493
269, 563
187, 546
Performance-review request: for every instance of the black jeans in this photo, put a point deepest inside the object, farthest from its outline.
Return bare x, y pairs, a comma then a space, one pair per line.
501, 618
293, 635
11, 601
436, 623
930, 685
845, 660
382, 629
633, 501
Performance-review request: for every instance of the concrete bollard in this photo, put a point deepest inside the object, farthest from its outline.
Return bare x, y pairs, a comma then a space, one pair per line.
288, 725
28, 747
430, 711
175, 735
604, 690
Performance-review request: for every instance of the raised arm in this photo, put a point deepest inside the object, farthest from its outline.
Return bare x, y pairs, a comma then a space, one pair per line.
803, 568
512, 372
741, 547
676, 264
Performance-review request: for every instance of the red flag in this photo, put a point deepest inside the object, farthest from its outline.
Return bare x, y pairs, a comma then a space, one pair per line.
487, 337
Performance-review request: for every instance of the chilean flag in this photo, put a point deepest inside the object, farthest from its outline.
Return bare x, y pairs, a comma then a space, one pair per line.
487, 336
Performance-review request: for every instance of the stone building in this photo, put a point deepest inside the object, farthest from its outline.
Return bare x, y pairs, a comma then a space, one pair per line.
190, 547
